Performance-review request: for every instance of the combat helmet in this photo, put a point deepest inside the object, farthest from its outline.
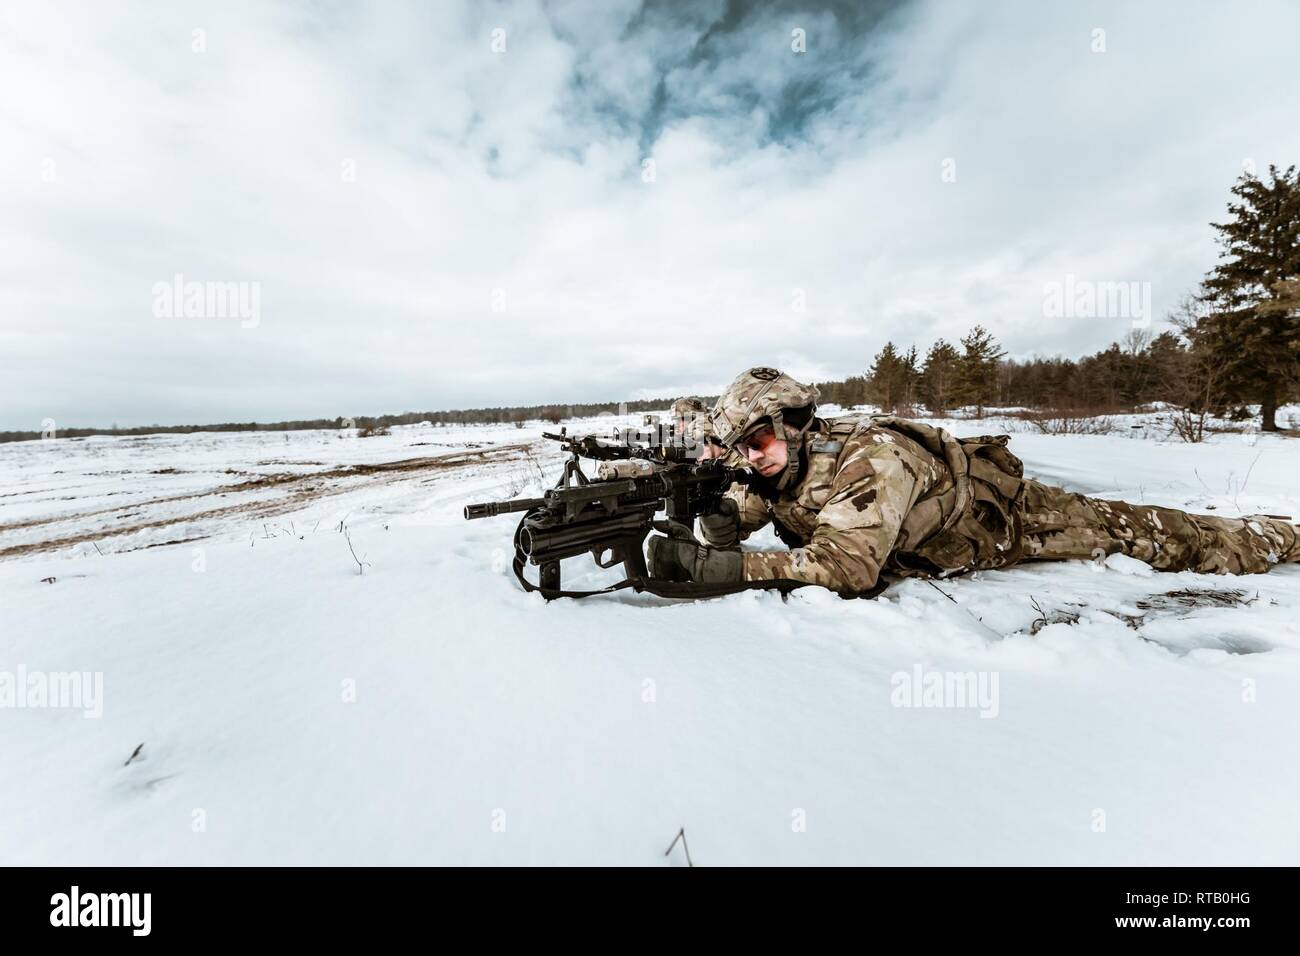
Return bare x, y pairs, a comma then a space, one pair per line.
688, 408
764, 393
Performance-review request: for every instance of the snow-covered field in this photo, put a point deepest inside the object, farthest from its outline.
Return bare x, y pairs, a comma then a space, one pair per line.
293, 710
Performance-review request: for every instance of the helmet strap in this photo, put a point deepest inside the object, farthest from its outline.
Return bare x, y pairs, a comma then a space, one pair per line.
794, 445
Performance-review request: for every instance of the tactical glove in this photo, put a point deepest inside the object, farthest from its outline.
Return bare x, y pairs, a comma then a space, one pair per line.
678, 556
722, 530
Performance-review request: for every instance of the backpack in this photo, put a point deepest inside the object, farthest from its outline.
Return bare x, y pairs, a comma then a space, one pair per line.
978, 519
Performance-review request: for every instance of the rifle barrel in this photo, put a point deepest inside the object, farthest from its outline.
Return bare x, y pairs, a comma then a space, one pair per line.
489, 509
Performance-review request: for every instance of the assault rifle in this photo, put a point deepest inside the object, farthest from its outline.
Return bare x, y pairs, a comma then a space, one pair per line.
613, 512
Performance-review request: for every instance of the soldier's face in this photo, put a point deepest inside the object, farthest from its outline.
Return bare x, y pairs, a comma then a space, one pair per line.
765, 452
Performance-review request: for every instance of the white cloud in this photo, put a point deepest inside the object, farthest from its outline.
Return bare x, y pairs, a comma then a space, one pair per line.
522, 172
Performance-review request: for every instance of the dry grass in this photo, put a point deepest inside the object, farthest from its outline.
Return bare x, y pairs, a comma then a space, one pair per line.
1066, 421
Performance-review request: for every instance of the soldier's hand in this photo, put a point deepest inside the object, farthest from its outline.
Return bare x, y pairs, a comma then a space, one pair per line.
722, 529
678, 556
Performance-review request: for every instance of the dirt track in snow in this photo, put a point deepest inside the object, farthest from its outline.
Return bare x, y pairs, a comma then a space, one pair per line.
291, 492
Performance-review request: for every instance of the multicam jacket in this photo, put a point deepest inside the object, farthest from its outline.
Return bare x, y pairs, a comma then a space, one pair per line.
881, 493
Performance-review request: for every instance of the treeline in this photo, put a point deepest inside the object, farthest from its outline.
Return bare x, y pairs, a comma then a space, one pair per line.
974, 374
971, 374
516, 414
947, 377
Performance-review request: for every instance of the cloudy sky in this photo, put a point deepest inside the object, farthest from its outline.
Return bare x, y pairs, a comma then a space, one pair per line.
440, 204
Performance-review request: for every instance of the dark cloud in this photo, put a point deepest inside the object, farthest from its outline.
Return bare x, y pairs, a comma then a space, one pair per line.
721, 63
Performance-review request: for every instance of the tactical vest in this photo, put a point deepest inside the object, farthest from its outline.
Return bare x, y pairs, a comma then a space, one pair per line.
975, 523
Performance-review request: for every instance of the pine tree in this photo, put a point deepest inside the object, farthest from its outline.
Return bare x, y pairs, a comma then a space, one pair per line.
1166, 359
1253, 296
978, 370
939, 377
892, 377
911, 375
855, 391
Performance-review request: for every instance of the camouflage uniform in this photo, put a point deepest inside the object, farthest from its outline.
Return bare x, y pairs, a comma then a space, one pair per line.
866, 494
1060, 524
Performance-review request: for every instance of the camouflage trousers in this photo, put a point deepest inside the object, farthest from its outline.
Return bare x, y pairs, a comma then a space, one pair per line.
1059, 524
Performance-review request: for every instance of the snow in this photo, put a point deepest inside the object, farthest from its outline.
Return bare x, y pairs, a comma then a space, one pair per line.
293, 710
1126, 565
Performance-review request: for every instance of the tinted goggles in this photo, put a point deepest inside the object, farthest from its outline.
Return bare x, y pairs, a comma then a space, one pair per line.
758, 439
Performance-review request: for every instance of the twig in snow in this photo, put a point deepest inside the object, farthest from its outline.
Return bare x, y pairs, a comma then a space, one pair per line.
1244, 480
943, 592
101, 553
361, 565
969, 613
1039, 622
681, 835
134, 753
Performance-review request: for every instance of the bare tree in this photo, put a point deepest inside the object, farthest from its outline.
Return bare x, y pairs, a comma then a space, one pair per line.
1195, 384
